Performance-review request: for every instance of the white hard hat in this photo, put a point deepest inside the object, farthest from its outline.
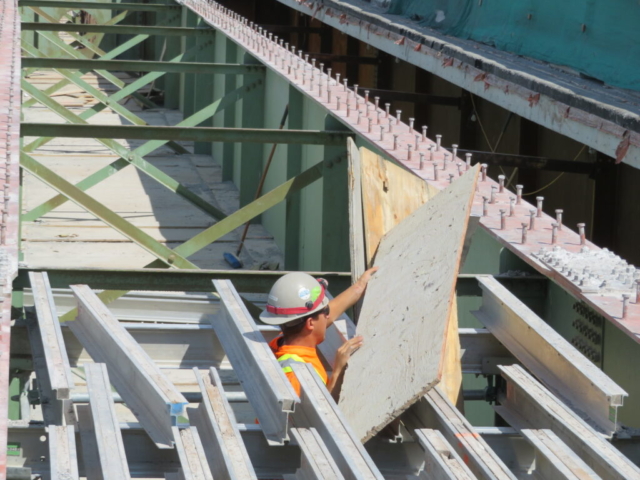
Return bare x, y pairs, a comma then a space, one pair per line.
295, 295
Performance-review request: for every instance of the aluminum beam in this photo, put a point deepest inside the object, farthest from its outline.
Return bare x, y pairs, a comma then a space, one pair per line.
151, 396
554, 460
441, 460
318, 410
316, 462
548, 356
196, 134
226, 453
55, 353
267, 388
63, 455
434, 410
143, 66
102, 445
527, 404
191, 454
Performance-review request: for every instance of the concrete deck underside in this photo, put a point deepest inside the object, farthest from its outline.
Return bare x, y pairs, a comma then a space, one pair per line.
69, 235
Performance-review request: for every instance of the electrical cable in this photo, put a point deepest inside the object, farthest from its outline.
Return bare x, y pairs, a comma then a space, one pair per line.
555, 179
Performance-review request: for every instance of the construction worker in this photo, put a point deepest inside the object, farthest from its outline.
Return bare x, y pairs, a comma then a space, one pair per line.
298, 304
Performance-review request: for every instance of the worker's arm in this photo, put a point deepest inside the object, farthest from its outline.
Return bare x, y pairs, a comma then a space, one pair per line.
349, 297
339, 366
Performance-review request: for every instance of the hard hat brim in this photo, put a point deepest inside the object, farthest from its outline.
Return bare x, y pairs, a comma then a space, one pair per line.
276, 319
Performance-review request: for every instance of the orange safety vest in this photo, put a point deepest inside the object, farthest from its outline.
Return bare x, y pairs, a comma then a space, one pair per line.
288, 354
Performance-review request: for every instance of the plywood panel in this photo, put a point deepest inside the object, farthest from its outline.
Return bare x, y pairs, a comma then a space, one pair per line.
389, 194
406, 309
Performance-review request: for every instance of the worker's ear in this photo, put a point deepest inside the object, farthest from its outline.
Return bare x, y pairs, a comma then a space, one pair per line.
309, 325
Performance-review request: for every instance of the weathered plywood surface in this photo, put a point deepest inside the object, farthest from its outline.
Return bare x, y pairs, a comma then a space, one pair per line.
390, 194
406, 309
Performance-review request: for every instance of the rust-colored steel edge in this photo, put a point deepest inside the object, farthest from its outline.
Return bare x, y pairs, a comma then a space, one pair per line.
411, 148
10, 176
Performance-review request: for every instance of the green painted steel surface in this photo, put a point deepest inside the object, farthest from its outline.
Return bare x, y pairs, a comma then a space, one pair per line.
97, 6
597, 38
115, 29
131, 157
200, 134
171, 280
143, 66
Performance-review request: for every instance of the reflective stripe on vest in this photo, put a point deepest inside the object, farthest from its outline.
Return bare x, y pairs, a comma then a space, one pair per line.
289, 359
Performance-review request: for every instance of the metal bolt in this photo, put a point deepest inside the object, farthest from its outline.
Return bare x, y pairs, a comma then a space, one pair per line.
381, 132
454, 148
370, 123
366, 96
417, 137
559, 218
409, 147
376, 101
519, 194
524, 233
459, 165
583, 238
451, 175
424, 133
483, 171
338, 104
435, 171
355, 89
512, 208
421, 161
446, 161
625, 304
532, 219
503, 220
431, 153
493, 194
378, 116
539, 201
468, 158
554, 233
485, 206
345, 82
348, 108
501, 182
637, 292
438, 142
387, 106
398, 116
395, 141
411, 120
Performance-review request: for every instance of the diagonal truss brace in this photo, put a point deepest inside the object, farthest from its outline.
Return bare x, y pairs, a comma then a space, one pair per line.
148, 147
127, 155
220, 229
108, 216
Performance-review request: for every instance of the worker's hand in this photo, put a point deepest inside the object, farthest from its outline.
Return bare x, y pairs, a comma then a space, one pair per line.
345, 351
366, 276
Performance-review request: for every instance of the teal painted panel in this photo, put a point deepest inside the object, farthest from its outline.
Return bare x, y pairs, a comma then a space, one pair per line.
597, 38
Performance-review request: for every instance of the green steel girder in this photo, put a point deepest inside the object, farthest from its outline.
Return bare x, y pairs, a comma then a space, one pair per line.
116, 97
141, 7
171, 280
246, 281
196, 134
76, 79
223, 227
80, 38
58, 42
115, 221
105, 172
116, 29
129, 44
124, 153
144, 66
